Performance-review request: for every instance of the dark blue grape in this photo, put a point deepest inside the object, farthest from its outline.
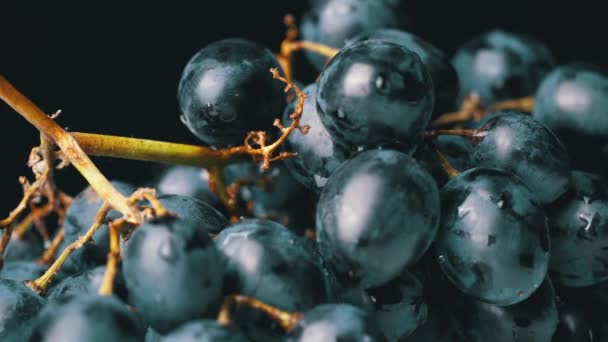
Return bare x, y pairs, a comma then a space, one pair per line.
88, 318
445, 79
317, 154
334, 22
573, 101
86, 283
493, 240
80, 216
399, 307
578, 224
521, 145
22, 270
500, 65
378, 213
336, 322
575, 324
375, 93
204, 331
532, 320
226, 90
188, 181
26, 247
18, 306
268, 262
200, 214
173, 272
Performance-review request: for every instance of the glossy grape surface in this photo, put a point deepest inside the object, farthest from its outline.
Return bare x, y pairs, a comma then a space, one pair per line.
188, 181
268, 262
226, 90
534, 319
521, 145
334, 22
500, 65
399, 306
573, 101
205, 331
375, 93
445, 79
378, 213
318, 155
173, 272
578, 224
89, 318
336, 322
493, 240
86, 283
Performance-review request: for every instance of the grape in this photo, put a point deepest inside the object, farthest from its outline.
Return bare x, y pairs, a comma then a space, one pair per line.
579, 233
268, 262
87, 283
378, 213
27, 247
173, 272
574, 322
317, 154
493, 241
336, 322
204, 330
80, 216
399, 307
534, 319
200, 214
500, 65
188, 181
18, 305
334, 22
573, 101
226, 90
88, 318
375, 93
445, 79
22, 270
525, 147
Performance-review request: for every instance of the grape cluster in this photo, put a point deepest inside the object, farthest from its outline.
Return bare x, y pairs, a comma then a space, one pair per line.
374, 223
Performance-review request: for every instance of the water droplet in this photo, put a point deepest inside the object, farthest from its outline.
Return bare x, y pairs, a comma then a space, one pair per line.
381, 83
441, 259
184, 119
586, 199
360, 149
341, 113
500, 203
167, 251
158, 298
463, 211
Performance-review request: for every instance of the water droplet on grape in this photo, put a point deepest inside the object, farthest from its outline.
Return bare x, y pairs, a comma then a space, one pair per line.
341, 113
167, 252
441, 259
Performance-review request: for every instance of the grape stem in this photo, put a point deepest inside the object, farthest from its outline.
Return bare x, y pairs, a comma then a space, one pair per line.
107, 284
472, 109
447, 167
49, 254
287, 320
70, 148
291, 45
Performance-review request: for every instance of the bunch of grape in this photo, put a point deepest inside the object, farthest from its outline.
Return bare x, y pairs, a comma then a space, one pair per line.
403, 196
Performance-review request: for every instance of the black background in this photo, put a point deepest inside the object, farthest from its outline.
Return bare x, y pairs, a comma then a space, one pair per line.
114, 69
